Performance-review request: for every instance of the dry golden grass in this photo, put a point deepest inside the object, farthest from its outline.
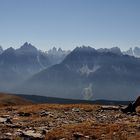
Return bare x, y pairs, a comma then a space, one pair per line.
67, 120
35, 108
8, 99
91, 129
36, 118
94, 131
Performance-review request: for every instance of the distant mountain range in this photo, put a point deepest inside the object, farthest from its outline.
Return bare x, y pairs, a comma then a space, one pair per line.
84, 73
16, 65
87, 73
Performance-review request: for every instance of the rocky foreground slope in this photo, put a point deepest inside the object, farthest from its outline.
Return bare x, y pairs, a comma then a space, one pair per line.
68, 122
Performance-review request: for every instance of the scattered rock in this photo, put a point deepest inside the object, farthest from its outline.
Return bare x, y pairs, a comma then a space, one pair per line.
132, 133
87, 137
24, 114
63, 139
31, 134
18, 132
8, 134
107, 107
5, 120
76, 110
43, 121
44, 113
78, 135
14, 125
6, 116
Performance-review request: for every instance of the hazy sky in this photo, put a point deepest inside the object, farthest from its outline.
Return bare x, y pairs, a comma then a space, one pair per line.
70, 23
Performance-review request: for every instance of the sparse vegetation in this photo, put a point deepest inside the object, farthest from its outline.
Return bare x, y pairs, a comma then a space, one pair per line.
11, 100
90, 130
69, 122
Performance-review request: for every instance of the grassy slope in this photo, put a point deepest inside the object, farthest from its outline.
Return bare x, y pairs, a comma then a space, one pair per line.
8, 99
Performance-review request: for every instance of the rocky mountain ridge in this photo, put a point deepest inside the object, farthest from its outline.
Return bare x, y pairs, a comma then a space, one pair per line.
16, 65
87, 73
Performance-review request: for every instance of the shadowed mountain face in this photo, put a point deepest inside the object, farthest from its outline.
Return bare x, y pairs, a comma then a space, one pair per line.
16, 65
87, 73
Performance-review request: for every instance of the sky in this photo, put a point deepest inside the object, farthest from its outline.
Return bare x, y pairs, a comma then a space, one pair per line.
70, 23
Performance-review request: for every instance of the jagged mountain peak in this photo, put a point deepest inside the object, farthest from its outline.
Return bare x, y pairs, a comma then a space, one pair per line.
27, 47
60, 50
84, 49
114, 50
9, 50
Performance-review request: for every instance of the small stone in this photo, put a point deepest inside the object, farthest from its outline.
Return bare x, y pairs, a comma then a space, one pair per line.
117, 116
44, 113
5, 120
87, 137
63, 139
18, 132
75, 109
103, 135
114, 133
6, 116
132, 132
32, 134
51, 115
78, 135
8, 134
109, 107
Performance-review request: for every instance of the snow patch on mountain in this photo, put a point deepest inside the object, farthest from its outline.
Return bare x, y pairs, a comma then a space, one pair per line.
85, 70
39, 62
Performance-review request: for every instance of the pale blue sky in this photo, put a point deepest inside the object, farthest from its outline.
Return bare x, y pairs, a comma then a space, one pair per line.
70, 23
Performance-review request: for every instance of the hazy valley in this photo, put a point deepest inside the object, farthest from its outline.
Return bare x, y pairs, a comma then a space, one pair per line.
84, 73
